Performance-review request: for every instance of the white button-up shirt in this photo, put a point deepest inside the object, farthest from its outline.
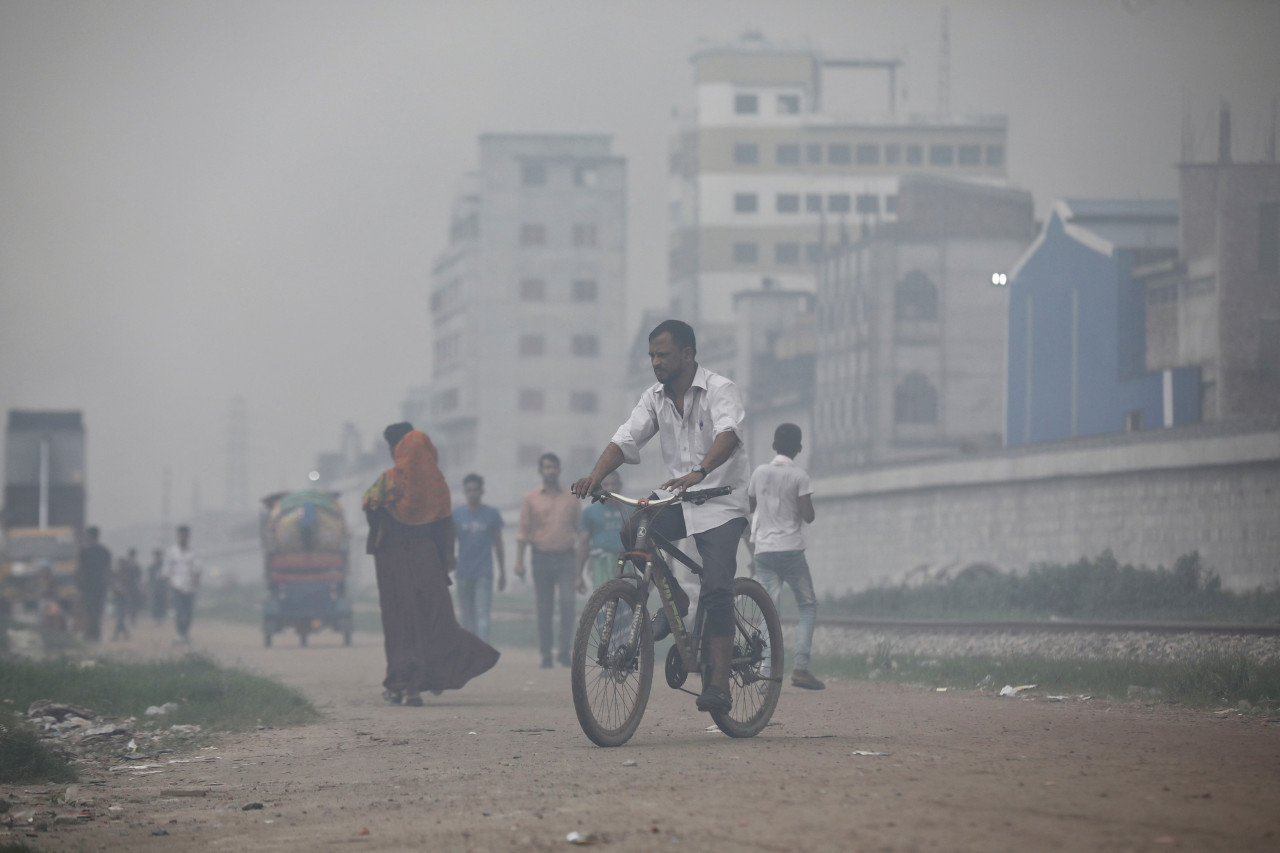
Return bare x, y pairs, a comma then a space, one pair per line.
181, 569
712, 405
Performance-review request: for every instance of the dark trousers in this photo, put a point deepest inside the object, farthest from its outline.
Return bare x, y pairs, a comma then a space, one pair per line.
553, 570
718, 550
184, 607
95, 601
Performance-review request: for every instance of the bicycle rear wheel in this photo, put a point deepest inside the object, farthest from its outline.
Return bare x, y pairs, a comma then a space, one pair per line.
611, 680
755, 680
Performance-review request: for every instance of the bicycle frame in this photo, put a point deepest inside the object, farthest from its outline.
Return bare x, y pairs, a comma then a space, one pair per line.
661, 578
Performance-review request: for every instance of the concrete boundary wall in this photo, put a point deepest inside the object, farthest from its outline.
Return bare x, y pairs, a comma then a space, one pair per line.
1149, 500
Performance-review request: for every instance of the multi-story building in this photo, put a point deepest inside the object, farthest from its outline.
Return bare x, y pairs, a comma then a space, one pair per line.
769, 168
1077, 351
911, 329
1217, 305
527, 311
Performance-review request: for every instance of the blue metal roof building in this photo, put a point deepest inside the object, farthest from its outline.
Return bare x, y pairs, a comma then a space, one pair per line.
1077, 326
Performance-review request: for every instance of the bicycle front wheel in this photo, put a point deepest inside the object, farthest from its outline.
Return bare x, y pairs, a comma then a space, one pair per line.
755, 682
611, 678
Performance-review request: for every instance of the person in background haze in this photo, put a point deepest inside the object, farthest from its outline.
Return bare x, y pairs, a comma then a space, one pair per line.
182, 569
411, 539
782, 503
549, 525
156, 586
93, 579
131, 574
120, 600
600, 538
479, 530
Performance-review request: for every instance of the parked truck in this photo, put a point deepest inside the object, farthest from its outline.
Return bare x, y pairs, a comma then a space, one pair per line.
304, 545
44, 501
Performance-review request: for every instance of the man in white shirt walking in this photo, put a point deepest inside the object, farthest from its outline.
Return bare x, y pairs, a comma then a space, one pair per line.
182, 571
697, 416
781, 499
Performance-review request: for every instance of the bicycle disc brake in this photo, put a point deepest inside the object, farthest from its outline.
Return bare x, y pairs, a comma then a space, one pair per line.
676, 673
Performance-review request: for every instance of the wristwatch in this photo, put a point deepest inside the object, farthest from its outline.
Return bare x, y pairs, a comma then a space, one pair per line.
700, 470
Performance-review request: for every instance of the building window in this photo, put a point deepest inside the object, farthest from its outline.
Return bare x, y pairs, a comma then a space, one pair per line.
532, 399
586, 345
788, 203
915, 401
585, 176
746, 153
746, 104
533, 174
584, 234
445, 402
838, 203
995, 155
813, 203
839, 153
868, 203
941, 155
527, 455
786, 253
915, 155
969, 155
891, 204
745, 253
788, 154
744, 203
813, 252
893, 154
813, 152
585, 290
533, 234
1269, 237
532, 346
868, 155
582, 401
915, 298
788, 105
532, 290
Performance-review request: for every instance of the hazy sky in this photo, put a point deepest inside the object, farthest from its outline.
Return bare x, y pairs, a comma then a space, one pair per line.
207, 199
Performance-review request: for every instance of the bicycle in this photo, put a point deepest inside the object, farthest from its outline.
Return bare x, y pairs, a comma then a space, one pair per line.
612, 668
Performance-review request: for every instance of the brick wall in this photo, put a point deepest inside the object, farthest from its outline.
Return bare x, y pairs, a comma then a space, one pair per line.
1149, 498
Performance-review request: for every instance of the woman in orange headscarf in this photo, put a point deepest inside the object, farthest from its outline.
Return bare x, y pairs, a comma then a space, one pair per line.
411, 539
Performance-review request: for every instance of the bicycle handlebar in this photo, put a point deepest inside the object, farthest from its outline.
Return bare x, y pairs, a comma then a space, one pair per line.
698, 497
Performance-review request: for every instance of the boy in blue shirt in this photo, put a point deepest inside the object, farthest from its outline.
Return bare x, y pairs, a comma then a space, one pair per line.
479, 531
600, 538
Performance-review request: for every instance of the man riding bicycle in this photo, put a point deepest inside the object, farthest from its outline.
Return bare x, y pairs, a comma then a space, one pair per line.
697, 416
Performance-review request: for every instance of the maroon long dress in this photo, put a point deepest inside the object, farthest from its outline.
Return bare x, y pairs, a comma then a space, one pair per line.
426, 647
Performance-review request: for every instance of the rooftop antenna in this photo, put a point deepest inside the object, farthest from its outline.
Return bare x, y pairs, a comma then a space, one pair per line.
1271, 133
1188, 143
944, 66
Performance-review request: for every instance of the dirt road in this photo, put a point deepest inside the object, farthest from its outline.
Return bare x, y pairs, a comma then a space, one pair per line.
502, 765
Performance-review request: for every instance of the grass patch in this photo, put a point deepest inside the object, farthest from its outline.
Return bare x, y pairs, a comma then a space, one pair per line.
24, 758
207, 695
1211, 680
1099, 589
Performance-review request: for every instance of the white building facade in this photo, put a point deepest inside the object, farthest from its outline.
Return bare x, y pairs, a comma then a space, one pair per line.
527, 312
763, 176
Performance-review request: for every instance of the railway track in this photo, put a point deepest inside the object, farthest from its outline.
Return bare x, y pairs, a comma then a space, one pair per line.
959, 626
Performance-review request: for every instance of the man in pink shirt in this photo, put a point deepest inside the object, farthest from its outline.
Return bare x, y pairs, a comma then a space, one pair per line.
549, 525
